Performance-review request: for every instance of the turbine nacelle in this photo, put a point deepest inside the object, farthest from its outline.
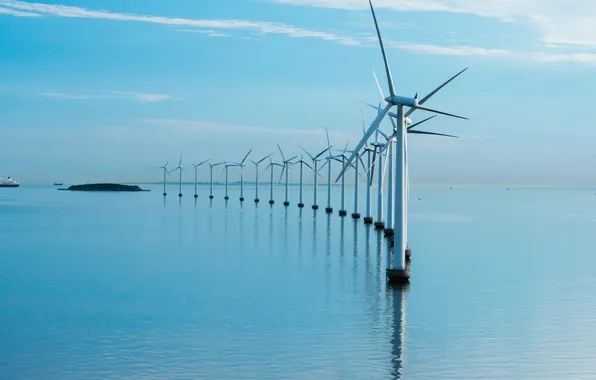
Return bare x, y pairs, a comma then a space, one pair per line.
402, 101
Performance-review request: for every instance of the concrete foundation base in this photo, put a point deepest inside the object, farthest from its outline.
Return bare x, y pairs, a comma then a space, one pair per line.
388, 232
286, 204
257, 200
398, 276
226, 198
380, 225
180, 195
241, 199
301, 205
315, 207
211, 197
271, 202
328, 210
356, 215
368, 220
343, 213
196, 196
165, 194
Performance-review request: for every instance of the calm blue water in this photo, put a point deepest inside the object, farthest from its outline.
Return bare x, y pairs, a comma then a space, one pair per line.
113, 286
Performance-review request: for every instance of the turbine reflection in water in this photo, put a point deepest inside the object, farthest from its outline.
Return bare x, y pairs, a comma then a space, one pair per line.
397, 303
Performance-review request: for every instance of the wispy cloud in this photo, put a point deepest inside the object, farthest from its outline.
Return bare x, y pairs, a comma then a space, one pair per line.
253, 26
14, 12
210, 33
570, 22
207, 126
140, 97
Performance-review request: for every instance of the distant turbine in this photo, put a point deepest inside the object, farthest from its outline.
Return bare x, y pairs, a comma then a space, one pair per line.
315, 160
196, 175
399, 272
179, 168
271, 166
226, 167
211, 166
257, 163
241, 165
328, 159
165, 173
286, 168
302, 163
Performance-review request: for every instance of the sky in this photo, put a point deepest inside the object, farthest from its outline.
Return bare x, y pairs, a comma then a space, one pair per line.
108, 90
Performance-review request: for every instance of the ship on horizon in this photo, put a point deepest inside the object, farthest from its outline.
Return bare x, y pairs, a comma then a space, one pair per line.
9, 182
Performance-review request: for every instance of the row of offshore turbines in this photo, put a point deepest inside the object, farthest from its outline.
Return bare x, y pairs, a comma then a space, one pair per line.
388, 158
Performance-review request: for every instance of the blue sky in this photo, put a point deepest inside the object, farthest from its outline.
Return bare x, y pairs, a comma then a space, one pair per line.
108, 90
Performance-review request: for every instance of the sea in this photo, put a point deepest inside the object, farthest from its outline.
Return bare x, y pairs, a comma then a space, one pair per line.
100, 285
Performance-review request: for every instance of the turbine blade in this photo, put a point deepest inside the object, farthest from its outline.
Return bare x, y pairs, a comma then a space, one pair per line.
309, 155
308, 166
431, 133
320, 154
420, 122
245, 157
372, 166
379, 87
282, 153
423, 100
168, 161
379, 109
204, 162
282, 173
383, 134
264, 158
293, 158
373, 127
389, 78
440, 112
363, 122
327, 133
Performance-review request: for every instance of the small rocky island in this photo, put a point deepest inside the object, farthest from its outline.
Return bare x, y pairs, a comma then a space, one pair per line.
104, 187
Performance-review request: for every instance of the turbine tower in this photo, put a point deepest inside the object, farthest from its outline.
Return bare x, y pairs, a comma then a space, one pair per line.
286, 169
315, 162
257, 163
196, 176
271, 166
179, 168
328, 159
399, 272
241, 165
165, 173
302, 163
226, 169
211, 166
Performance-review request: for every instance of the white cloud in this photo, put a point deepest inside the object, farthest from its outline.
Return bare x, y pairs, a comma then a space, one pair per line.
140, 97
14, 12
570, 22
253, 26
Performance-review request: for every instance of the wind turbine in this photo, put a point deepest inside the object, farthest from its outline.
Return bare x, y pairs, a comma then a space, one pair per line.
226, 167
368, 215
302, 163
165, 173
286, 168
241, 164
328, 159
179, 168
257, 163
211, 166
342, 210
315, 160
196, 175
399, 272
271, 166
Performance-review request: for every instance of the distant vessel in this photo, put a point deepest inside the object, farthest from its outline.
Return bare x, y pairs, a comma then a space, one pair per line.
58, 184
9, 182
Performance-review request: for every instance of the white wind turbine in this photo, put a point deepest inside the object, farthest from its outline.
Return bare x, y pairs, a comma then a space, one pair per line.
257, 163
179, 168
241, 165
399, 272
226, 169
165, 173
302, 163
344, 166
211, 166
286, 168
315, 160
272, 166
197, 176
328, 159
